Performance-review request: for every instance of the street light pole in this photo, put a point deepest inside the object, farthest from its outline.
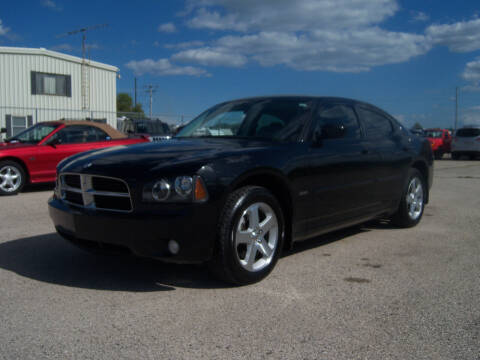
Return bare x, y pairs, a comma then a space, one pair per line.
456, 107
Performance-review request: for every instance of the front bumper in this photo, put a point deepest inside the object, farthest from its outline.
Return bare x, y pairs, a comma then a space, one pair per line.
192, 226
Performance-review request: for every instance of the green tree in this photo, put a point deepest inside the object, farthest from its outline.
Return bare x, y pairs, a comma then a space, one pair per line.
138, 108
417, 126
124, 102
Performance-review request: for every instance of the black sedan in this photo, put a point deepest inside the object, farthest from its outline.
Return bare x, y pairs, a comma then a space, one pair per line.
243, 180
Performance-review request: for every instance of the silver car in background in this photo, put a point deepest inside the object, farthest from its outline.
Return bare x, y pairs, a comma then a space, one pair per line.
466, 142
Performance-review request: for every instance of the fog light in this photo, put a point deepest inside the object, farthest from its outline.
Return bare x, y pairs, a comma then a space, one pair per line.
173, 247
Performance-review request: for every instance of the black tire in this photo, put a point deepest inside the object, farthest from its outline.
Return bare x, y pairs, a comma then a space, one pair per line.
438, 155
226, 263
12, 187
403, 218
455, 156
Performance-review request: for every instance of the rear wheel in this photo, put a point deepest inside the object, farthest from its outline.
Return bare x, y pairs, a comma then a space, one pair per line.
411, 206
250, 236
12, 177
455, 156
438, 154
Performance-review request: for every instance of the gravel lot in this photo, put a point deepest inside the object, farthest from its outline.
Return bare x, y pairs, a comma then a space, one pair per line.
371, 292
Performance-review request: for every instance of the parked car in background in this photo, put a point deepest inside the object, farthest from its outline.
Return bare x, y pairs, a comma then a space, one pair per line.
243, 179
440, 140
32, 155
155, 130
466, 142
418, 132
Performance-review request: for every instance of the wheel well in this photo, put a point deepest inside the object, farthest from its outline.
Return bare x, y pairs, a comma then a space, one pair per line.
420, 166
21, 163
280, 190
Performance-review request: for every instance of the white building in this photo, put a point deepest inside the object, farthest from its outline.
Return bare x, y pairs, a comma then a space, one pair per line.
40, 85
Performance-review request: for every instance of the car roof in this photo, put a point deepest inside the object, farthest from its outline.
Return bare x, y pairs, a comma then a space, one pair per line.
113, 133
306, 97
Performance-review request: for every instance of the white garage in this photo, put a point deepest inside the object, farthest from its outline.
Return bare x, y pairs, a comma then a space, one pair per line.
40, 85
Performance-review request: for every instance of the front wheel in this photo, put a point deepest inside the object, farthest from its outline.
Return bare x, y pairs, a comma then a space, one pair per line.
455, 156
250, 236
412, 203
12, 178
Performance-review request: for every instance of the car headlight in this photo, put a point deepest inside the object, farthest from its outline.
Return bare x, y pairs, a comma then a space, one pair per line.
161, 190
184, 186
178, 189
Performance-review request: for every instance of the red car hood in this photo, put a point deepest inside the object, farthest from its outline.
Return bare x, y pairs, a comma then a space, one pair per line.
17, 145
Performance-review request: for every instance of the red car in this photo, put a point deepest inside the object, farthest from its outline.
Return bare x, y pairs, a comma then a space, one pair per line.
32, 155
440, 140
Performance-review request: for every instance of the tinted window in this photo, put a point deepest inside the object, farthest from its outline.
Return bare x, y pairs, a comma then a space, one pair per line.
468, 132
80, 134
437, 134
376, 125
338, 114
279, 119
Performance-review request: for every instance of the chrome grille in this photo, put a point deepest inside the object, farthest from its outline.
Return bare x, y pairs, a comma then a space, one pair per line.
95, 192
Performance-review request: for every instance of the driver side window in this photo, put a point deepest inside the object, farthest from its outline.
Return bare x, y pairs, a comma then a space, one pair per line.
77, 134
337, 115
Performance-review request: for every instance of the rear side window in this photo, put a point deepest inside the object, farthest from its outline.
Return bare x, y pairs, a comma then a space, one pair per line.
468, 132
74, 134
376, 124
338, 114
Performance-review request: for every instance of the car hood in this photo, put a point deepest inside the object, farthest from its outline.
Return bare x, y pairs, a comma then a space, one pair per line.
158, 156
15, 145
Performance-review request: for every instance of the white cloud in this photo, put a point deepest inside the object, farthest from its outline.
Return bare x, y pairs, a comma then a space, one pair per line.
163, 67
463, 36
419, 16
185, 45
211, 57
287, 15
311, 35
167, 28
3, 29
472, 71
319, 50
471, 116
51, 5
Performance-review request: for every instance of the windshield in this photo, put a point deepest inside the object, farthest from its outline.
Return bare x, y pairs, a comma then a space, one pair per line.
276, 119
433, 134
34, 134
468, 132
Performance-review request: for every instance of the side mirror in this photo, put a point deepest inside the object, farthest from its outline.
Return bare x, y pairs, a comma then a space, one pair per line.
54, 141
3, 130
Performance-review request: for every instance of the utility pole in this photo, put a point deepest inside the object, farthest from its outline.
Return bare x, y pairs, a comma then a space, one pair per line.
456, 108
150, 89
135, 97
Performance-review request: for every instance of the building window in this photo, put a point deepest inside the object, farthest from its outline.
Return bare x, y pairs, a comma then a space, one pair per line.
51, 84
19, 123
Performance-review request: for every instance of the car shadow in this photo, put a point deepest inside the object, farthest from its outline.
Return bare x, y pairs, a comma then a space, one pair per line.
325, 239
48, 258
38, 187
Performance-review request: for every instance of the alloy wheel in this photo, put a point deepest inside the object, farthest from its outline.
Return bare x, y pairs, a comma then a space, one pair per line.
256, 237
10, 179
415, 198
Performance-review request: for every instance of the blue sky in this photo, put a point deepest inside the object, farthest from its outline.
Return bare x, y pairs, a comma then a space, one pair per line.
404, 56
